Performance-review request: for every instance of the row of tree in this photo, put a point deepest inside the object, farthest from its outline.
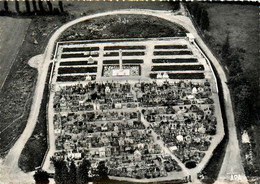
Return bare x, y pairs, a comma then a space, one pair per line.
38, 10
69, 173
200, 14
242, 89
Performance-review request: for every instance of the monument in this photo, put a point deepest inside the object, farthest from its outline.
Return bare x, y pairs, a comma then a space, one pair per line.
120, 71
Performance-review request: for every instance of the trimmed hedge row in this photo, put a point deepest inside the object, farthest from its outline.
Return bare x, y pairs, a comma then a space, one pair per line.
77, 70
132, 61
110, 61
124, 47
71, 63
78, 55
178, 60
73, 78
177, 67
111, 54
170, 47
181, 75
181, 52
133, 53
77, 49
125, 61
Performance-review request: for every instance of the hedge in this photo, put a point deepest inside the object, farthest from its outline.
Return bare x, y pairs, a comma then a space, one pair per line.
77, 70
170, 47
124, 47
177, 67
77, 49
71, 63
181, 52
177, 60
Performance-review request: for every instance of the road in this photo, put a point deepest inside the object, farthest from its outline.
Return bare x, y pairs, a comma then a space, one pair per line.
232, 161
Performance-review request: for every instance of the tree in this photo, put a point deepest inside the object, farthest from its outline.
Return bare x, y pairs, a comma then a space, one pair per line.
41, 177
27, 5
34, 6
61, 6
226, 48
49, 5
82, 174
72, 173
17, 7
204, 22
61, 171
102, 170
6, 6
41, 6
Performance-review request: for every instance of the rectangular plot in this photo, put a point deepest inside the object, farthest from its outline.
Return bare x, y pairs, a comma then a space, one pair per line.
186, 76
77, 70
111, 62
132, 61
177, 60
177, 67
181, 52
133, 53
181, 75
124, 47
170, 47
78, 49
111, 54
73, 78
72, 63
78, 55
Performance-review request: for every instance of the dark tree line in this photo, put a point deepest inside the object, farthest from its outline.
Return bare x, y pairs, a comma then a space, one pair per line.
40, 10
242, 89
200, 14
69, 173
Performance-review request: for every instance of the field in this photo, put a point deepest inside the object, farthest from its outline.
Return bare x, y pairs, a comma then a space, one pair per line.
131, 26
241, 23
18, 90
10, 42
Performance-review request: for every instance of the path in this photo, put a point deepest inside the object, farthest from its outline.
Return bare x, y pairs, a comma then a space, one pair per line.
232, 161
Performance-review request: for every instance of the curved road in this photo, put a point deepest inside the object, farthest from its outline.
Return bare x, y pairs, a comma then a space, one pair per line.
232, 161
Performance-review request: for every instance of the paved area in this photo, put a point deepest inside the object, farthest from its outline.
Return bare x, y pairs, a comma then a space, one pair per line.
232, 160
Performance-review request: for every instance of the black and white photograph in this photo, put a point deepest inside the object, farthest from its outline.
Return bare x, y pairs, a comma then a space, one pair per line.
129, 92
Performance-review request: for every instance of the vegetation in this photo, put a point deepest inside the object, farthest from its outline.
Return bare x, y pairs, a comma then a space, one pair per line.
36, 147
177, 67
131, 26
181, 75
124, 47
170, 47
71, 63
200, 15
18, 90
68, 172
41, 177
182, 52
77, 70
177, 60
73, 78
228, 29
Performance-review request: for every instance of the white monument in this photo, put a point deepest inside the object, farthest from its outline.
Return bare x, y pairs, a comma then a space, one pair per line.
120, 71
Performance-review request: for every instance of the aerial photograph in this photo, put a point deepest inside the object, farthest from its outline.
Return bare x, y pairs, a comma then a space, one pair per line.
129, 92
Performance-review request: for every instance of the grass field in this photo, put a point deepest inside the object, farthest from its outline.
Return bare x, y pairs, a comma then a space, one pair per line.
10, 42
241, 22
18, 90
